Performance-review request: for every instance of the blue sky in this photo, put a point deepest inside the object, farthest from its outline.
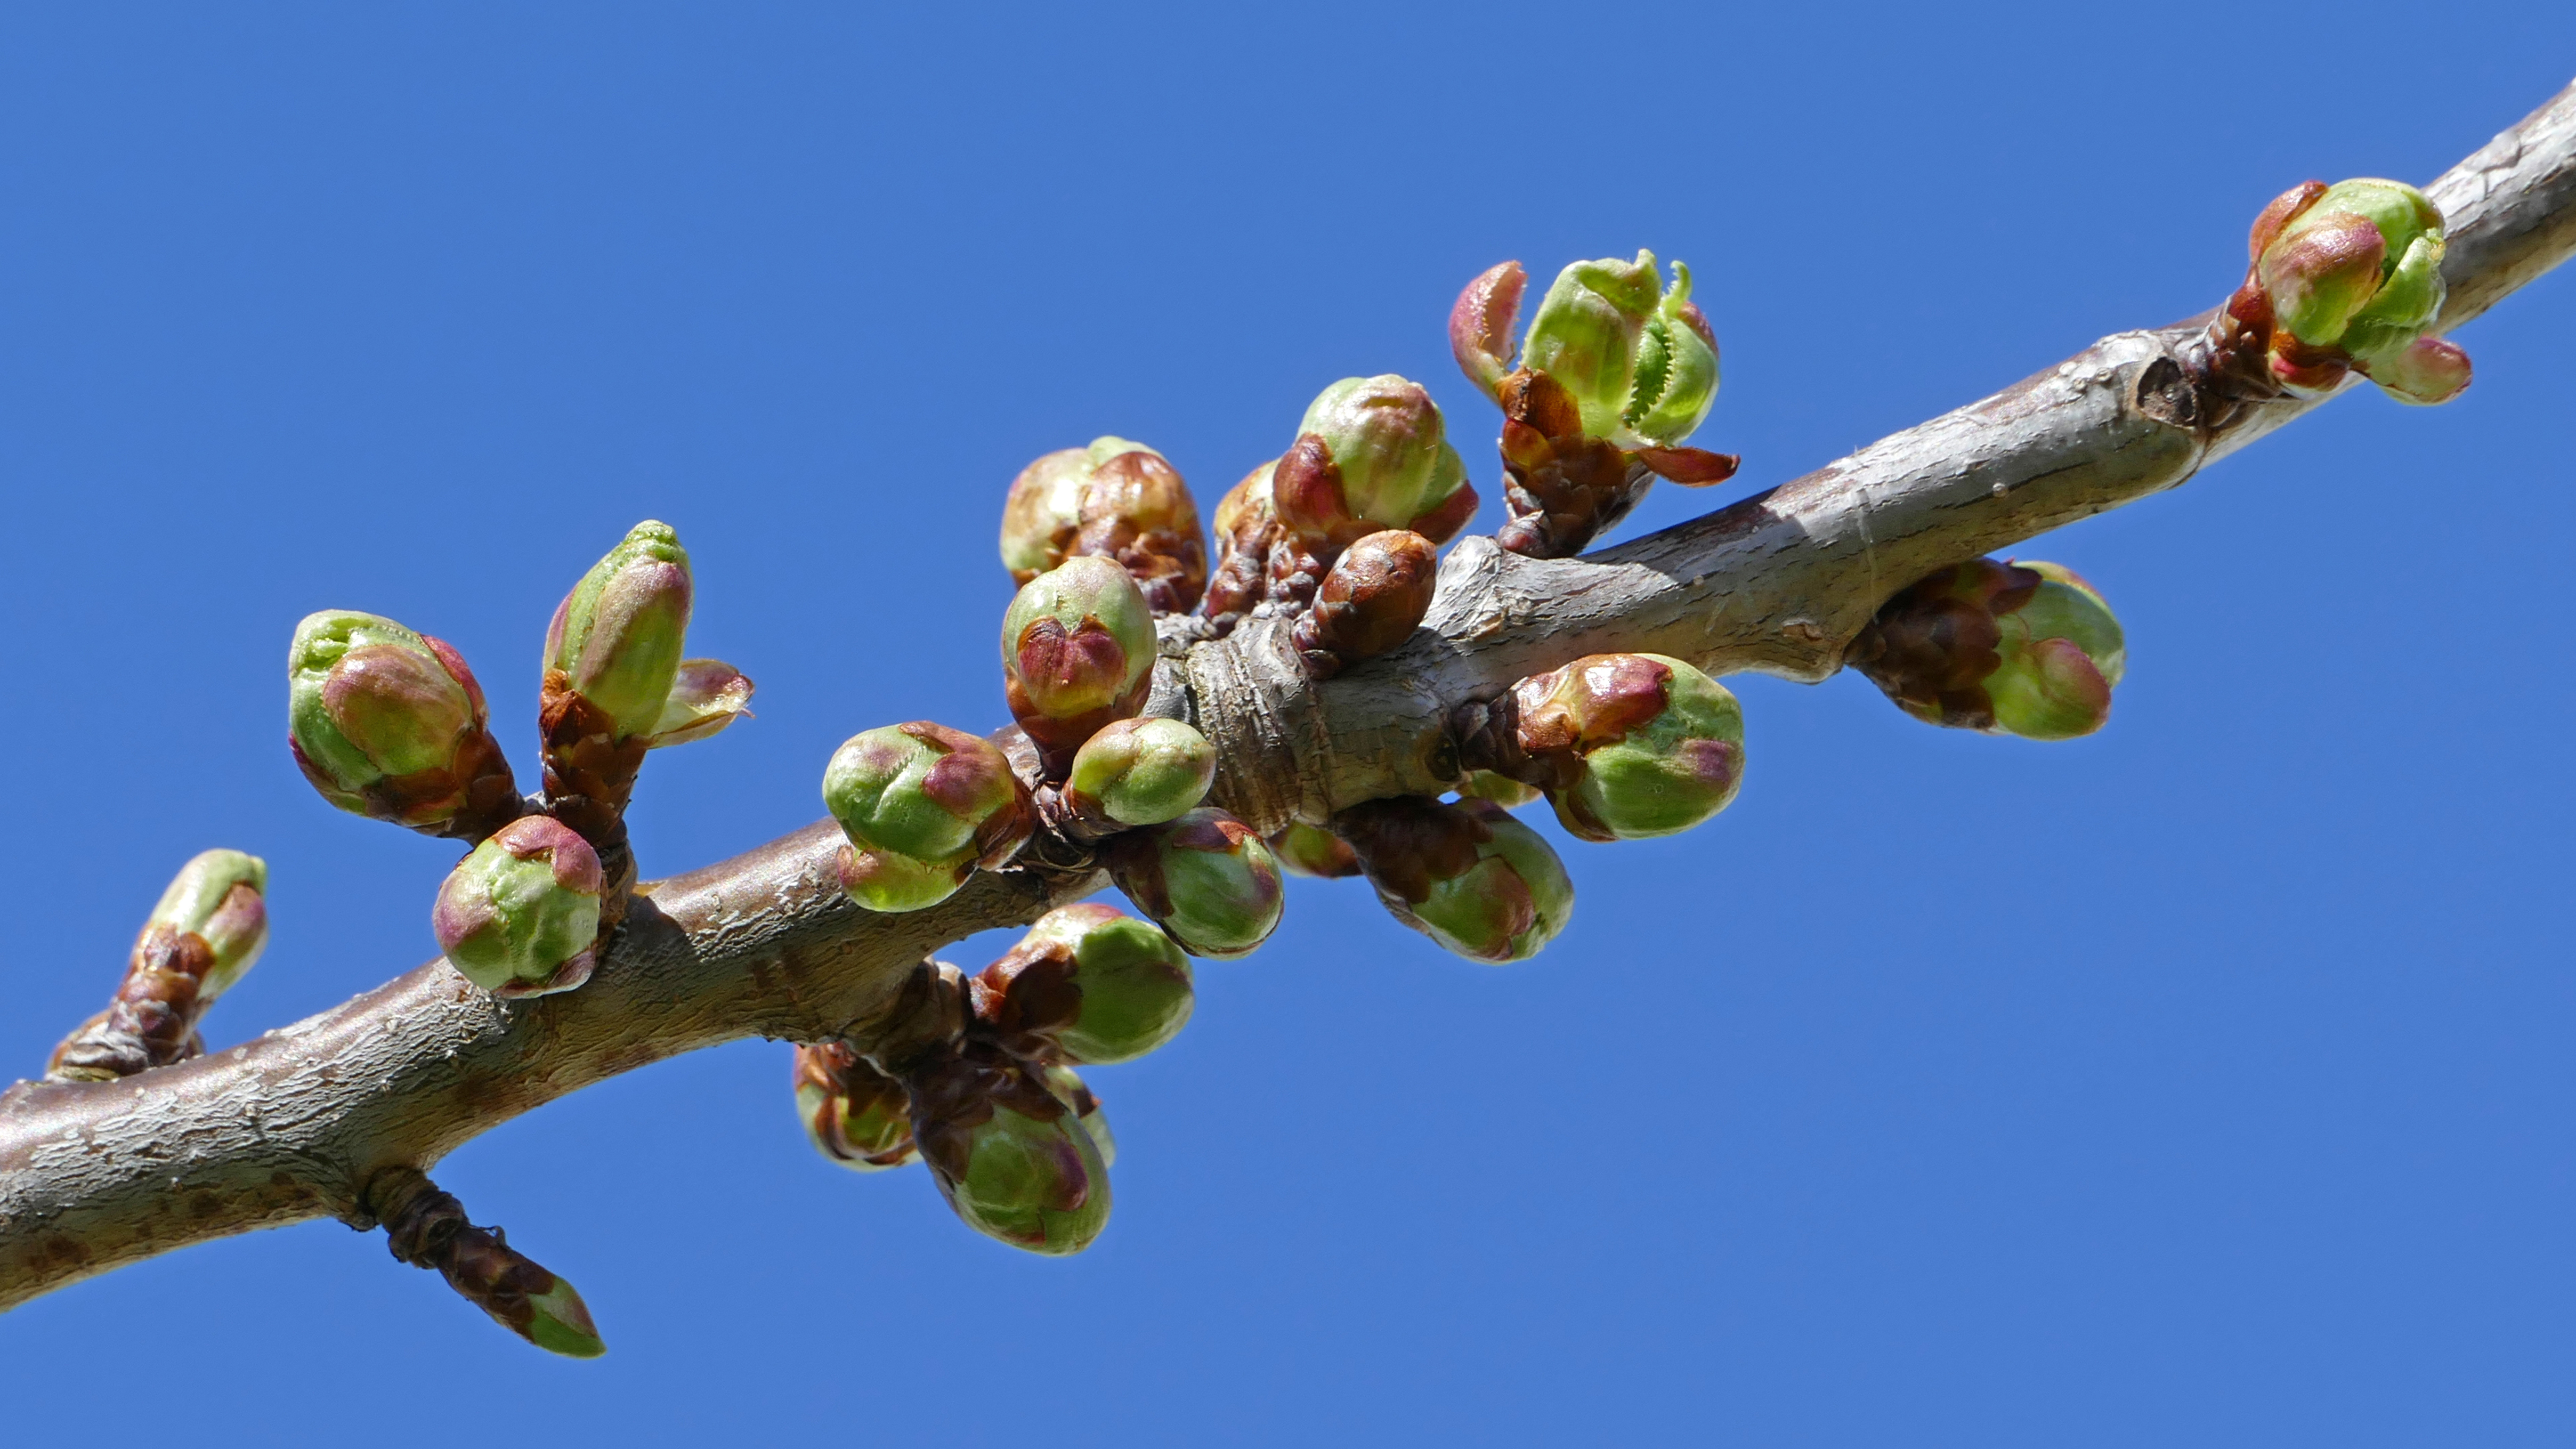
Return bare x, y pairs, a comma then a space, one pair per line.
2204, 1081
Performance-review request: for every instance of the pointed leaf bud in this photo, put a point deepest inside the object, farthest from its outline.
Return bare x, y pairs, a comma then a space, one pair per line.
1372, 599
519, 915
1205, 878
1014, 1161
1971, 647
220, 897
1480, 325
1311, 850
1088, 983
1631, 746
1114, 499
1077, 653
389, 724
520, 1294
922, 805
1467, 875
706, 695
206, 932
856, 1116
1141, 771
1070, 1090
617, 637
1370, 454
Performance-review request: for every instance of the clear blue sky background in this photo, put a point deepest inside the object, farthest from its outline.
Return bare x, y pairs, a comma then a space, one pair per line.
2207, 1081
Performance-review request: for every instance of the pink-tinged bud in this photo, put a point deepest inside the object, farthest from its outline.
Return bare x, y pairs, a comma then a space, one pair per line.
2424, 372
1311, 850
519, 916
922, 805
390, 724
2322, 275
2284, 209
208, 929
1372, 599
1140, 772
617, 637
1014, 1161
1077, 653
1481, 325
1087, 984
856, 1116
1205, 878
1467, 875
1116, 500
1630, 746
1370, 454
2013, 648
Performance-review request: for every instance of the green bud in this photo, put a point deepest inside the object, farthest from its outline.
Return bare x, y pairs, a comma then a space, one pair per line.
617, 637
1639, 359
205, 933
1205, 878
2062, 654
1117, 500
2353, 274
1141, 771
1013, 1160
922, 806
1467, 875
1089, 984
1371, 455
1070, 1090
519, 915
219, 896
1502, 789
2011, 648
1077, 653
2425, 371
1311, 850
389, 724
856, 1116
1632, 745
520, 1294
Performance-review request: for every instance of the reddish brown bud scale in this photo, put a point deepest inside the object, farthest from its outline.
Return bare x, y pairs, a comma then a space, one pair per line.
1564, 487
855, 1115
1371, 600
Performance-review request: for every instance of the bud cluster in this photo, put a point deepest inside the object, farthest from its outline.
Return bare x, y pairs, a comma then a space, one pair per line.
208, 929
1615, 371
975, 1077
1116, 500
2028, 649
1625, 746
2342, 278
1467, 874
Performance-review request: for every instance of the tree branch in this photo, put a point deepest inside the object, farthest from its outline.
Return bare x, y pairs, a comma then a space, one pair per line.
291, 1126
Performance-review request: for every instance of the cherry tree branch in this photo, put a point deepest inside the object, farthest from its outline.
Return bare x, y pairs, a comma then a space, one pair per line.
293, 1126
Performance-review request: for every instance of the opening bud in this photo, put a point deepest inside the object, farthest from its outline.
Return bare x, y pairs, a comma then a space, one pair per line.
390, 724
1311, 850
520, 914
1467, 875
2010, 648
922, 805
208, 929
1372, 599
2352, 276
1205, 878
1631, 746
1637, 358
1087, 984
1141, 771
1077, 653
1012, 1159
856, 1116
1116, 500
617, 637
1370, 454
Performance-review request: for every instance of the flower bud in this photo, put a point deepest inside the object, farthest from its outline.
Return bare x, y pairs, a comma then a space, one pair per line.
922, 805
2352, 274
1205, 878
617, 637
1013, 1160
1087, 984
1370, 455
1117, 500
520, 914
1070, 1090
208, 929
1372, 599
1141, 771
219, 896
856, 1115
1077, 653
1631, 745
1638, 359
1311, 850
2013, 648
1467, 875
390, 724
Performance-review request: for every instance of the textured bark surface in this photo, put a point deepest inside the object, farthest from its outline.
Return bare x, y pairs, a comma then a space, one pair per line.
287, 1127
